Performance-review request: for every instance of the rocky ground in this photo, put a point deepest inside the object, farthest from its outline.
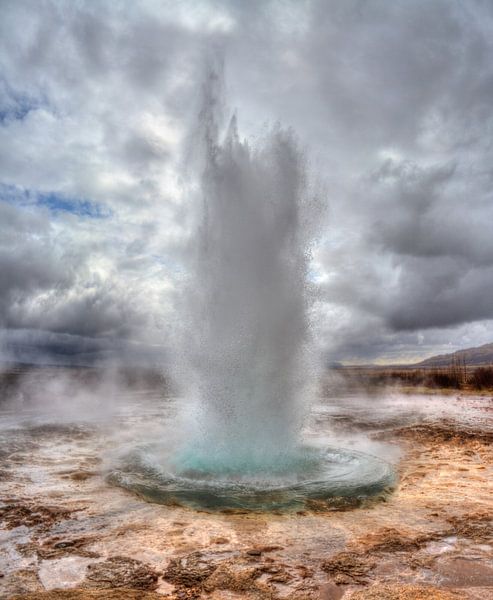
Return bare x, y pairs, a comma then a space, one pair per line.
67, 534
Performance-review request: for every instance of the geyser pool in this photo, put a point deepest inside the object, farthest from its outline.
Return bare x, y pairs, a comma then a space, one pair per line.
247, 358
319, 478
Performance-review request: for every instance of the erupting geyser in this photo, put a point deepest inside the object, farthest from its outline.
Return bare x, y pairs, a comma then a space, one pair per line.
247, 346
247, 323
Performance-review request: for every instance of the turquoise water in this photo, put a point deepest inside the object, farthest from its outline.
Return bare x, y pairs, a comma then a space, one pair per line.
329, 477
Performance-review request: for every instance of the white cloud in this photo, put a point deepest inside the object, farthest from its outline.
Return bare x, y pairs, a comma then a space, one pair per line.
392, 102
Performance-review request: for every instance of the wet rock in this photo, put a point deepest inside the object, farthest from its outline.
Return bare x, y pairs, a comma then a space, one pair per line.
445, 432
330, 591
349, 568
281, 577
220, 540
233, 511
334, 504
79, 475
233, 576
71, 432
277, 573
82, 594
121, 571
63, 545
253, 552
304, 572
302, 593
5, 475
189, 571
477, 526
392, 540
404, 592
460, 572
237, 576
57, 548
30, 515
259, 550
23, 581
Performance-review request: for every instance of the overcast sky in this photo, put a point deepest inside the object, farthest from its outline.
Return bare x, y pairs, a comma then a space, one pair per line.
392, 101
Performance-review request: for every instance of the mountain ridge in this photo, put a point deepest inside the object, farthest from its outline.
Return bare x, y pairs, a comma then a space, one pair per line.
476, 356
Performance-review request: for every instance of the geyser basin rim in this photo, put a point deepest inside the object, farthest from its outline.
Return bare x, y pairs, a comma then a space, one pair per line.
334, 475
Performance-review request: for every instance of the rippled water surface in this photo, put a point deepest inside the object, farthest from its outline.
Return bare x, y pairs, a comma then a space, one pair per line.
328, 475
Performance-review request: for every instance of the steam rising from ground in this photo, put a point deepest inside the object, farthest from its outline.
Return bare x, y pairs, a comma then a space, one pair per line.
72, 395
246, 344
248, 353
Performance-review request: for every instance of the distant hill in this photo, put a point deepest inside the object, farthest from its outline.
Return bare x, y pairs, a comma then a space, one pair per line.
483, 355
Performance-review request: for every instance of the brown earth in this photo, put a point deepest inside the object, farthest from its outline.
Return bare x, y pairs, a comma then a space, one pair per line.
78, 594
432, 539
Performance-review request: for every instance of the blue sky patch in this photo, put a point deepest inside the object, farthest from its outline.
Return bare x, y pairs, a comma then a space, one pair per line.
53, 201
15, 106
77, 206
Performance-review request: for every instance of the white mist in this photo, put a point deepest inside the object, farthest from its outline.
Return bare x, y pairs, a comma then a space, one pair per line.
247, 335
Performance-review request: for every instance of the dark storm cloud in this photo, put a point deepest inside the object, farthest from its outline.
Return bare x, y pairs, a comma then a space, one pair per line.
42, 347
407, 102
26, 259
391, 99
47, 285
394, 100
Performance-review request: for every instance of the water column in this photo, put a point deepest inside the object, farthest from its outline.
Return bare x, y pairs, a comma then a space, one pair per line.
248, 333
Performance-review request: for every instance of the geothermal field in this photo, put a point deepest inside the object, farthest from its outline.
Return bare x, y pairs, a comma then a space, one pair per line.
88, 508
232, 350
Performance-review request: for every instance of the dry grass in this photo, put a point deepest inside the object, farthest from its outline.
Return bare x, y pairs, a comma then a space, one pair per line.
455, 377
